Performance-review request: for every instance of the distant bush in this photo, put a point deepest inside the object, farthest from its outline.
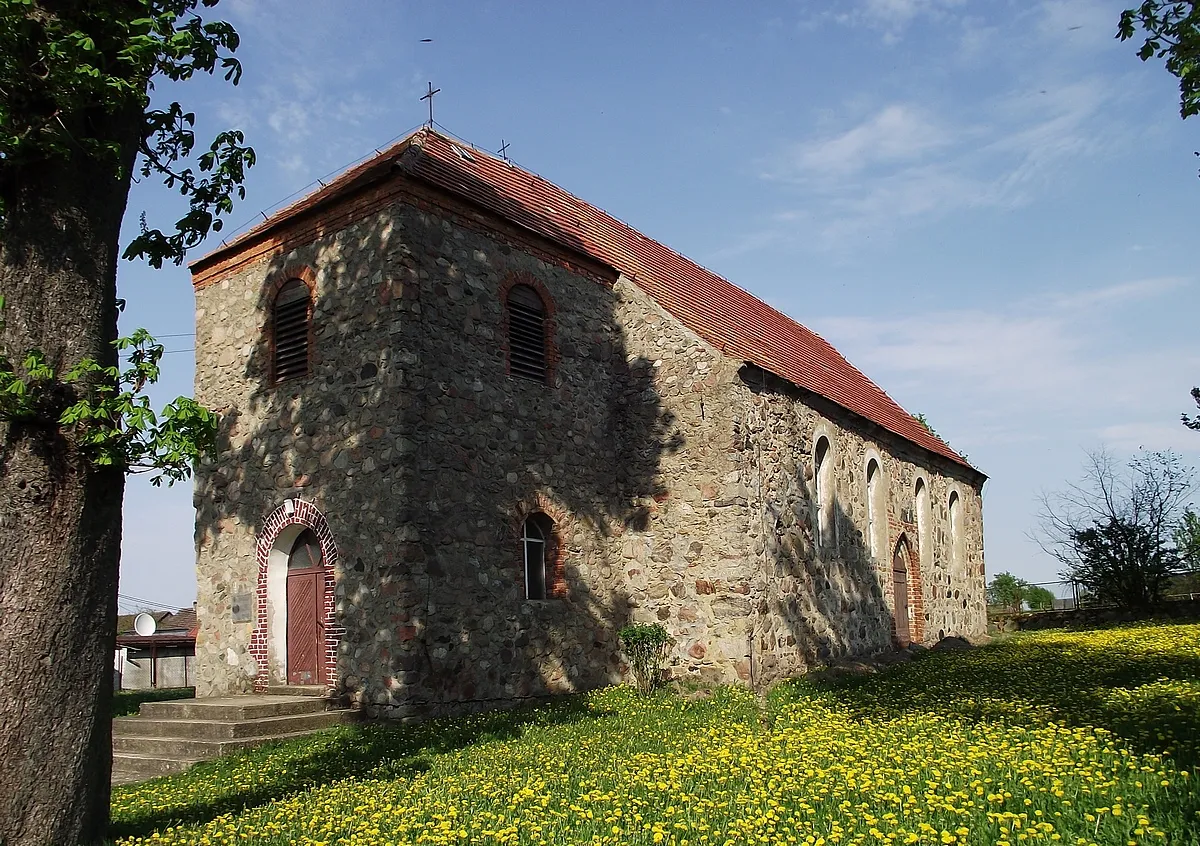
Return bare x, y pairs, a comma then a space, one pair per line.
645, 645
127, 702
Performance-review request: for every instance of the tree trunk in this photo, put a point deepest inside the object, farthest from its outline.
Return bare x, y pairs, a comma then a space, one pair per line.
60, 517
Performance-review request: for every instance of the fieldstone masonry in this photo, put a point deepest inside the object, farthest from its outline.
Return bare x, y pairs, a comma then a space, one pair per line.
680, 482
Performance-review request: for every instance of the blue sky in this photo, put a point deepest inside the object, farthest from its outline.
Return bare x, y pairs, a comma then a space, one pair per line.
986, 207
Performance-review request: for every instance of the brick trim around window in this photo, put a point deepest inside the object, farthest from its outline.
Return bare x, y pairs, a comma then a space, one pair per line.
273, 285
552, 352
556, 572
916, 590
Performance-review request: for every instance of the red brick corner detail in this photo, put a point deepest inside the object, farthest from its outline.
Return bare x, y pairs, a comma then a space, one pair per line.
306, 514
916, 592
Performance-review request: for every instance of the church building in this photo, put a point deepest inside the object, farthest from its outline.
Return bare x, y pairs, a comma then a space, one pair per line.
471, 426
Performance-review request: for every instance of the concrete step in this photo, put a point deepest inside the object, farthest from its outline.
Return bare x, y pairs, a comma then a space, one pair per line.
296, 690
185, 729
130, 768
233, 708
168, 737
190, 751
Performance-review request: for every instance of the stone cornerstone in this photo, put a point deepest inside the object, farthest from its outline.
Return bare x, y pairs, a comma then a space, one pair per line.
682, 484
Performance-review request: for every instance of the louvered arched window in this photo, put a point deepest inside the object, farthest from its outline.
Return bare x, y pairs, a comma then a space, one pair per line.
290, 315
526, 333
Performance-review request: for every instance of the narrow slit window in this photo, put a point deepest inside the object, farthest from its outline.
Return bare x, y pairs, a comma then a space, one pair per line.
526, 334
823, 473
955, 509
537, 540
874, 515
290, 330
924, 527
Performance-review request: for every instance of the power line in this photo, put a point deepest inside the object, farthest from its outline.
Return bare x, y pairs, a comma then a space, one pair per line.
318, 181
140, 603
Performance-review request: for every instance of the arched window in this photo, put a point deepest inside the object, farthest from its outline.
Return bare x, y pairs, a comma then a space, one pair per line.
875, 509
924, 538
290, 316
537, 543
823, 474
955, 509
306, 551
526, 333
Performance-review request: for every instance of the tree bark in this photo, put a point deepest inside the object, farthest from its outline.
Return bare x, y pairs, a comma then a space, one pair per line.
60, 517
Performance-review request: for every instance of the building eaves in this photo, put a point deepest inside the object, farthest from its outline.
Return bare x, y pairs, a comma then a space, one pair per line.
729, 318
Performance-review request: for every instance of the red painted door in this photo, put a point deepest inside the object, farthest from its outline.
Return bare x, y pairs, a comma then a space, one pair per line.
305, 634
900, 593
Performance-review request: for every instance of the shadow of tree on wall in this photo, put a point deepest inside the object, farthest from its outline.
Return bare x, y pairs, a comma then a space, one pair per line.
424, 455
274, 772
831, 605
823, 601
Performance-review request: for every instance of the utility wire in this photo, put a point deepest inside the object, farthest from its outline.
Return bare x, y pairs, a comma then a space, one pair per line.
139, 603
318, 181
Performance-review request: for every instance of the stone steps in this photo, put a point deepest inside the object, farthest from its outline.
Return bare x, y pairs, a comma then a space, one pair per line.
296, 690
131, 768
233, 708
147, 727
168, 737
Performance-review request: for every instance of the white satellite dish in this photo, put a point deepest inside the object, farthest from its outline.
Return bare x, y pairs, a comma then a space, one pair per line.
144, 624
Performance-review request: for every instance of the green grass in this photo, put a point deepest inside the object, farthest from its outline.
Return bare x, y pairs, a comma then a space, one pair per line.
1053, 737
127, 702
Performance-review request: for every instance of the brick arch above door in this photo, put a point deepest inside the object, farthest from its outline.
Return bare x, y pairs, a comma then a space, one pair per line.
281, 528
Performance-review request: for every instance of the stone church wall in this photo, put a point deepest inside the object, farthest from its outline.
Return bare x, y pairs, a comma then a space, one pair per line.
822, 603
734, 570
680, 484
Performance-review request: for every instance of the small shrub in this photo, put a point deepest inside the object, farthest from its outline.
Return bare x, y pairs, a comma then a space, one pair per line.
645, 645
127, 702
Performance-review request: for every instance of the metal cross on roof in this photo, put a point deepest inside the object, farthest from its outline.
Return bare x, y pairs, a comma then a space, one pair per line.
429, 97
503, 149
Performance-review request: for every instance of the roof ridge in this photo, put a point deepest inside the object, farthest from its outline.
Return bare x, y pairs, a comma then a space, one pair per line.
359, 166
723, 314
903, 425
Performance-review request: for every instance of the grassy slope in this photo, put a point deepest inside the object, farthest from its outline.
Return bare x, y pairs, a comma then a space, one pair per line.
1046, 738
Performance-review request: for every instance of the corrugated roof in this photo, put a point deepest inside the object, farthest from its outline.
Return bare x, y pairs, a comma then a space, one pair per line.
731, 319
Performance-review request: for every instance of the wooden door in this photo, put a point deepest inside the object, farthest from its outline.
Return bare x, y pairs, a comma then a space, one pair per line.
305, 612
900, 594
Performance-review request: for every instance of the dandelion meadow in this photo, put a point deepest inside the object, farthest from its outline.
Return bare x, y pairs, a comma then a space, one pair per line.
1050, 737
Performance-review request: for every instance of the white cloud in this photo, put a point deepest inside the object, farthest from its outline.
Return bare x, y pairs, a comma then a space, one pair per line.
1057, 362
1149, 434
899, 132
891, 17
895, 13
902, 164
1140, 289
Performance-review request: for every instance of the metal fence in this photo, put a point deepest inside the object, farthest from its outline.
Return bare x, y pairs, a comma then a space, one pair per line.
1068, 595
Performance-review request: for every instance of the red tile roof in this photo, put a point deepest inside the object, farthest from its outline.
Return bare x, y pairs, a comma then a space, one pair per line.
731, 319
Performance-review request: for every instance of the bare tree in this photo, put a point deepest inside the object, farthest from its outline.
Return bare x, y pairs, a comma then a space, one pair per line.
1113, 531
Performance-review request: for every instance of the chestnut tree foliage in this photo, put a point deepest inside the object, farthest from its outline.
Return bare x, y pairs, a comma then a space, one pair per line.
77, 124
